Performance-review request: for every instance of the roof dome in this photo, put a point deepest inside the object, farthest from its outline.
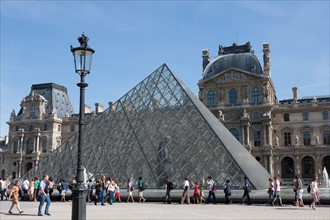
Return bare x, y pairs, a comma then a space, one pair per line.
244, 61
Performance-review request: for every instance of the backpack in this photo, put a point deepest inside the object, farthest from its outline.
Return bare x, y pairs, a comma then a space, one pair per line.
142, 187
214, 187
309, 188
170, 185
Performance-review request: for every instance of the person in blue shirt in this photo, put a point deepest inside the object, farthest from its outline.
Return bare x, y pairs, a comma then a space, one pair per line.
227, 191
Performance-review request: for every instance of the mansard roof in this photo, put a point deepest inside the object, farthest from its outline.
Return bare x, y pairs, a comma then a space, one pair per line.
57, 97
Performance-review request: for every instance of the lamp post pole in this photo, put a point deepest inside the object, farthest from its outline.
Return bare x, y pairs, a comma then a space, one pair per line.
82, 59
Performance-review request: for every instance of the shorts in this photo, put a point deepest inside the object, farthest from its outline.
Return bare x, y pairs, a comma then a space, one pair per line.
140, 193
276, 194
130, 193
299, 193
117, 195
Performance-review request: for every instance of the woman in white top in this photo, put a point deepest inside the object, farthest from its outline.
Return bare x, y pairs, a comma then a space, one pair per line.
314, 192
185, 195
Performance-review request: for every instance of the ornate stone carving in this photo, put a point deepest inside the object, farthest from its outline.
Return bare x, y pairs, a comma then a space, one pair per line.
232, 76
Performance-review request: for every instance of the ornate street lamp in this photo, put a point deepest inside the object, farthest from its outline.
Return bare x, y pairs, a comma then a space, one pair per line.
82, 61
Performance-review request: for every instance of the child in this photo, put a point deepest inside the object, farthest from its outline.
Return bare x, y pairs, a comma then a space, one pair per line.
117, 193
201, 193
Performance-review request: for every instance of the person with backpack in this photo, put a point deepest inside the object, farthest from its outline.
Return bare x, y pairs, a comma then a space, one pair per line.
247, 190
141, 189
314, 191
130, 189
44, 196
212, 190
169, 186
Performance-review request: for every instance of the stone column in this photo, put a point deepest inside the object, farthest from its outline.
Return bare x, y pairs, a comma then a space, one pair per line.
21, 141
37, 139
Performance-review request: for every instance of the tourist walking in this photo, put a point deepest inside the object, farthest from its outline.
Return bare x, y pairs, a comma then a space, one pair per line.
90, 190
64, 186
5, 188
51, 187
1, 189
201, 192
314, 191
111, 190
97, 187
185, 194
277, 190
31, 189
100, 197
117, 193
227, 191
141, 189
168, 187
299, 191
212, 190
130, 189
14, 194
270, 191
36, 188
44, 195
26, 184
196, 192
247, 190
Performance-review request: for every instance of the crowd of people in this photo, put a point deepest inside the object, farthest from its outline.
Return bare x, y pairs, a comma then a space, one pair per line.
106, 190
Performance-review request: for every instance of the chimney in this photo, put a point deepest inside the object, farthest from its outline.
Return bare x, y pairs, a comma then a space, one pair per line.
266, 59
87, 109
98, 108
295, 93
206, 57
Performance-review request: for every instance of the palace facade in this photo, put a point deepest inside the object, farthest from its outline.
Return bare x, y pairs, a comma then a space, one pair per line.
45, 121
288, 137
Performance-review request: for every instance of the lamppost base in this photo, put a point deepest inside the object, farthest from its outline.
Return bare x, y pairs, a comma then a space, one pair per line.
79, 203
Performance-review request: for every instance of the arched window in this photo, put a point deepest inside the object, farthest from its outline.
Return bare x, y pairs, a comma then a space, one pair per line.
211, 98
307, 167
287, 167
256, 95
33, 111
232, 96
234, 131
326, 164
29, 146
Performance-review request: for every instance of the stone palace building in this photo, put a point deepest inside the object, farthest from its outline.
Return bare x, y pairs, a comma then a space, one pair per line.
288, 137
46, 120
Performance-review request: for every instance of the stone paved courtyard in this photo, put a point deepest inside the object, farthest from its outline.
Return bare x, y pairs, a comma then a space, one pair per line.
157, 210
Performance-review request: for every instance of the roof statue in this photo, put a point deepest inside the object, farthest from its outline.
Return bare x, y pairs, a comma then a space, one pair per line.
159, 128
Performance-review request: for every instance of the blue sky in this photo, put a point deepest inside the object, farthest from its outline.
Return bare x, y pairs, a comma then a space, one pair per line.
133, 38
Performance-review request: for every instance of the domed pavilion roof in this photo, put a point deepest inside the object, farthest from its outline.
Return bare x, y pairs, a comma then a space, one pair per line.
240, 57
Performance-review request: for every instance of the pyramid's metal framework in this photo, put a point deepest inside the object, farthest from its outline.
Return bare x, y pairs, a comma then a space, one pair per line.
159, 128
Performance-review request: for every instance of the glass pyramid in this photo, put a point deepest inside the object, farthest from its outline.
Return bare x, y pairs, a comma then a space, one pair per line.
159, 128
